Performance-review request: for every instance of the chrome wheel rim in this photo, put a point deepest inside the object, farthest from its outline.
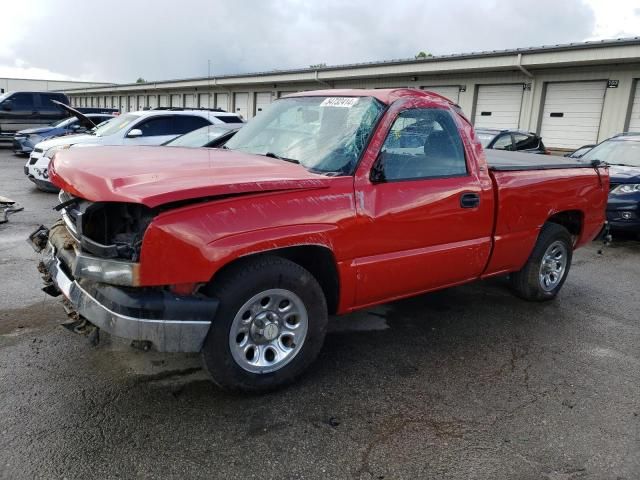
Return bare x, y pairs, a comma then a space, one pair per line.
553, 266
268, 331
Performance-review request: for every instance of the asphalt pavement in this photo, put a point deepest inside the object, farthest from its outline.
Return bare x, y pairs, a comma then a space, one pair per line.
467, 383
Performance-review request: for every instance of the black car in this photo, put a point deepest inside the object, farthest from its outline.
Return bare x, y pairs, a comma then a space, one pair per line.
22, 110
622, 153
211, 136
512, 140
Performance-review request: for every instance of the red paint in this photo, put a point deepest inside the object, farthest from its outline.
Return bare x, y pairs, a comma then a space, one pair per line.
389, 240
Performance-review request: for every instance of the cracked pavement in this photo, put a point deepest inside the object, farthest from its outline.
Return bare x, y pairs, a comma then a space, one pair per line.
467, 383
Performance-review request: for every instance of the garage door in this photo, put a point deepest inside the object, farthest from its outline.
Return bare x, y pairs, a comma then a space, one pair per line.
132, 103
498, 106
452, 93
571, 114
241, 104
141, 102
203, 100
163, 100
189, 100
263, 100
176, 100
153, 101
222, 101
123, 104
634, 120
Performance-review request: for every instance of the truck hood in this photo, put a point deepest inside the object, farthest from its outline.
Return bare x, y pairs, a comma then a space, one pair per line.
31, 131
155, 176
621, 174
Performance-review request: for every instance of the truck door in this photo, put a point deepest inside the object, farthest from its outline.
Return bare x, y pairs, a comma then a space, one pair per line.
18, 112
425, 214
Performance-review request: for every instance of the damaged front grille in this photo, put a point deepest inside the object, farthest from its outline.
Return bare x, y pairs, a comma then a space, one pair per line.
106, 229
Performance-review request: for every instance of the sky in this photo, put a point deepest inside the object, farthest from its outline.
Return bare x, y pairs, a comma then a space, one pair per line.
122, 40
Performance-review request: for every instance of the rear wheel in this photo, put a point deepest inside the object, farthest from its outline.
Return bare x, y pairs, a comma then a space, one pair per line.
269, 327
547, 268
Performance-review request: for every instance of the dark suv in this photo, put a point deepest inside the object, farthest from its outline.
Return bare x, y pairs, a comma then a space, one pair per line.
512, 140
22, 110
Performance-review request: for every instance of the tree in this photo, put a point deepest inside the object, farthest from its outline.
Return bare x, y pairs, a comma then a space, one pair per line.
141, 80
423, 55
318, 65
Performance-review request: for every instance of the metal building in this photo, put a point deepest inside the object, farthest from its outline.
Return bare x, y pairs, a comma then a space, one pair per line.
571, 94
29, 84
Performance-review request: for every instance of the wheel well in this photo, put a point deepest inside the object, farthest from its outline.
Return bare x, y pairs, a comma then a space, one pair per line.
318, 260
572, 220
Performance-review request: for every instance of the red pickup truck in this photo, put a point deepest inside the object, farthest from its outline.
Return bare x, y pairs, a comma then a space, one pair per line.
326, 203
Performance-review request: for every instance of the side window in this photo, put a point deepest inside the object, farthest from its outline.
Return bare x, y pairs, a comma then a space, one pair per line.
503, 142
46, 106
422, 143
23, 102
188, 123
156, 126
525, 142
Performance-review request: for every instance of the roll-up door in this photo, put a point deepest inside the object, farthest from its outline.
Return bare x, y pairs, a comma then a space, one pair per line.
571, 114
153, 101
498, 106
204, 100
634, 120
222, 101
163, 100
263, 100
241, 104
176, 100
189, 100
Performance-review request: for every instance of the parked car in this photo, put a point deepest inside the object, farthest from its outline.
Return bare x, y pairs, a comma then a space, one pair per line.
148, 127
580, 152
211, 136
512, 140
622, 153
243, 252
23, 110
25, 140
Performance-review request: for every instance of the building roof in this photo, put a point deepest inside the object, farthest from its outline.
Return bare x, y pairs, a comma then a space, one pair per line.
567, 47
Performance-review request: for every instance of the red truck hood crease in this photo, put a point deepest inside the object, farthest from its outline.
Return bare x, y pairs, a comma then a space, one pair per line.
155, 176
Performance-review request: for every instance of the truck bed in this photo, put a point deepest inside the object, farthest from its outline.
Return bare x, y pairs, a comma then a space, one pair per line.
500, 160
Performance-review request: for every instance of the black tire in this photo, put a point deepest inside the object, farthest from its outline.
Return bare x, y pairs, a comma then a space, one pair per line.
233, 288
526, 282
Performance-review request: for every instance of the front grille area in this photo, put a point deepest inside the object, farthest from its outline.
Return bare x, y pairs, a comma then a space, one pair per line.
71, 213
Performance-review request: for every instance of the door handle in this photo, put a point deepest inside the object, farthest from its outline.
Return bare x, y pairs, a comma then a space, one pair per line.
469, 200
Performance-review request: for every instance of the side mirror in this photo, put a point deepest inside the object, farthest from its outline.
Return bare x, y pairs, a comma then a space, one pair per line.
134, 133
7, 105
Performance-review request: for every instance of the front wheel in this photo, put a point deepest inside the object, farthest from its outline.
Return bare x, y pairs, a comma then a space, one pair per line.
270, 325
546, 270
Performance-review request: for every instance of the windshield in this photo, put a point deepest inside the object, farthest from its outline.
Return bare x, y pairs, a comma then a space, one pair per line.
485, 138
200, 137
115, 125
615, 152
324, 134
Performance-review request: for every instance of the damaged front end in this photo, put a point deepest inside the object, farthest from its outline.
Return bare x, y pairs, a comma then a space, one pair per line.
91, 258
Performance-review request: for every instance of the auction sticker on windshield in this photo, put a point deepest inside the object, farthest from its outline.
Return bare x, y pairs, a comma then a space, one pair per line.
345, 102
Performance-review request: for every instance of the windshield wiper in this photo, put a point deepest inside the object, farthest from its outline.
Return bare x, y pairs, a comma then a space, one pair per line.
273, 155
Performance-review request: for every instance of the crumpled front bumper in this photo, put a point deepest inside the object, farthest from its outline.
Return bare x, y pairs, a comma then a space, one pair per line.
170, 323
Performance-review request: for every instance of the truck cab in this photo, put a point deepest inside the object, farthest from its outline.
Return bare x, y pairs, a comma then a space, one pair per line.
23, 110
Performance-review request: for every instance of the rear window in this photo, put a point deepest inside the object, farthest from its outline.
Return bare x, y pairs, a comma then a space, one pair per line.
229, 119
